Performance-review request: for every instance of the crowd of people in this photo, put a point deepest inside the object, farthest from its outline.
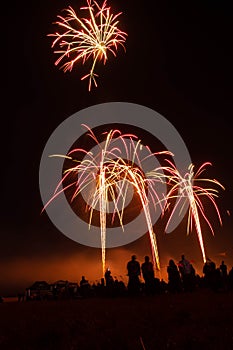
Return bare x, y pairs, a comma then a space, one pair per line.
182, 277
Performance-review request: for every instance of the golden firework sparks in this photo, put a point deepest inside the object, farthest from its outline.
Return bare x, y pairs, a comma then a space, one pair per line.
112, 176
88, 39
186, 188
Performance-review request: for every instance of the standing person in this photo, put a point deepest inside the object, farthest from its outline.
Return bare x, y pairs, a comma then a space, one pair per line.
223, 269
209, 271
148, 275
108, 278
174, 280
84, 287
134, 272
109, 282
187, 273
223, 272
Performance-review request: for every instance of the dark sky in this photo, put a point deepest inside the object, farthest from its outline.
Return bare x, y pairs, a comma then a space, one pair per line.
178, 61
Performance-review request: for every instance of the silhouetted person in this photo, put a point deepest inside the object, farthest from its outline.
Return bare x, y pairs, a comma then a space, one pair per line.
223, 271
174, 280
147, 269
134, 272
187, 274
83, 281
109, 282
84, 287
108, 278
209, 271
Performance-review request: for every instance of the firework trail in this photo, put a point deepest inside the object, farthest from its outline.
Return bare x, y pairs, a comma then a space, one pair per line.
186, 188
112, 175
88, 39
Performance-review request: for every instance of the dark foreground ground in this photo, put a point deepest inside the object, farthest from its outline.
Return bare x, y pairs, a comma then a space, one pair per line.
201, 320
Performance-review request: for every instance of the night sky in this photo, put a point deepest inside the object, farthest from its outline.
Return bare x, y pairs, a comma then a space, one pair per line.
178, 62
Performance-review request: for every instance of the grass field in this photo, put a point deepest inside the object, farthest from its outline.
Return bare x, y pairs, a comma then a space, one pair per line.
201, 320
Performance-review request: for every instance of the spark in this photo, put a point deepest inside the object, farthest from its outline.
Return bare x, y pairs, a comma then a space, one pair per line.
189, 191
84, 39
142, 344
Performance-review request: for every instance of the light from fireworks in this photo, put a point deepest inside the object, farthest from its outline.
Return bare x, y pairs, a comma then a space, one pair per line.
112, 175
84, 39
186, 188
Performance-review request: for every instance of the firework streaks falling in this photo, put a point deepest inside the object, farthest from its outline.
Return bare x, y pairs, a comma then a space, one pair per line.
112, 176
189, 191
88, 39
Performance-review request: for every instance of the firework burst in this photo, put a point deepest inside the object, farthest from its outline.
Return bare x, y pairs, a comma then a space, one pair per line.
107, 174
187, 190
88, 39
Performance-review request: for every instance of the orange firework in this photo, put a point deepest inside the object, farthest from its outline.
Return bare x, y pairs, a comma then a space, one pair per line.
108, 175
189, 192
92, 38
